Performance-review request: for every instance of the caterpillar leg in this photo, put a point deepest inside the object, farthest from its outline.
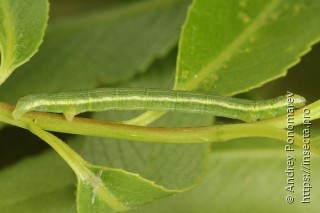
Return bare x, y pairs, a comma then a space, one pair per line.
69, 114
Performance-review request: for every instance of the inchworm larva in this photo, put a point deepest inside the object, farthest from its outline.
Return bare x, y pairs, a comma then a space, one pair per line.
73, 103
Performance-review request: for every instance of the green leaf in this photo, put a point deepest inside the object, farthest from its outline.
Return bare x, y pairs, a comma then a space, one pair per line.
114, 190
103, 47
42, 184
246, 175
223, 41
22, 27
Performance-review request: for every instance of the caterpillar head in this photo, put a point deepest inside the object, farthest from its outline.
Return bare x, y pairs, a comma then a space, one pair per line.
299, 101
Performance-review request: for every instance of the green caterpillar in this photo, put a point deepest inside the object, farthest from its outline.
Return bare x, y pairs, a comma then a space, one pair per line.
73, 103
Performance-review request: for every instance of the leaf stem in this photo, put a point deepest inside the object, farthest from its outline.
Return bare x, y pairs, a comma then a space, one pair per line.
75, 161
83, 126
281, 121
145, 118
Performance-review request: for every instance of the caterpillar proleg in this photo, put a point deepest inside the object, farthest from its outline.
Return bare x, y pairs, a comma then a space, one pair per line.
73, 103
